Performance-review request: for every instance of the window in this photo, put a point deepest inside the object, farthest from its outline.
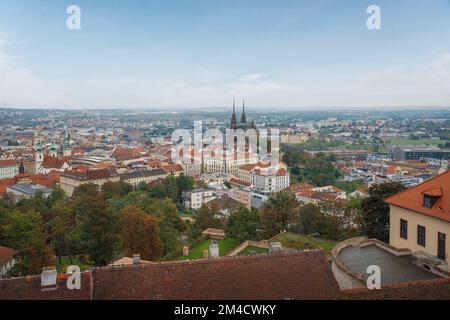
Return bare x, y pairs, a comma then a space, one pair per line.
428, 201
403, 229
421, 235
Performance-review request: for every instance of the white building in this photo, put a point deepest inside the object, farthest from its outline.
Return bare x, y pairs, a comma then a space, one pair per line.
227, 162
7, 260
21, 191
8, 169
195, 199
268, 180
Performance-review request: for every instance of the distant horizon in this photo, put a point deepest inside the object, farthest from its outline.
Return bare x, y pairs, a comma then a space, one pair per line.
250, 109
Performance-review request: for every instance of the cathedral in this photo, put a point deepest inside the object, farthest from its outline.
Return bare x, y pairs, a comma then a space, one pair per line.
243, 124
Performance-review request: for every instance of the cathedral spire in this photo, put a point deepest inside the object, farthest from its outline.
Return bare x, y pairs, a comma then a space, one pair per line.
244, 117
233, 117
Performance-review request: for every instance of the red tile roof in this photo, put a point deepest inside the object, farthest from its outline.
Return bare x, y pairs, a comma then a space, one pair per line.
240, 182
412, 199
8, 163
293, 275
172, 168
6, 255
300, 187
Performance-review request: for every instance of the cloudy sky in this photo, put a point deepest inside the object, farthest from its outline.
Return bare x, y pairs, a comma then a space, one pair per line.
201, 53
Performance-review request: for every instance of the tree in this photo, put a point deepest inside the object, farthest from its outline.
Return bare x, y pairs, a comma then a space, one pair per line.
208, 216
140, 233
282, 207
56, 195
115, 189
99, 229
25, 233
88, 189
375, 212
243, 224
309, 219
65, 233
170, 224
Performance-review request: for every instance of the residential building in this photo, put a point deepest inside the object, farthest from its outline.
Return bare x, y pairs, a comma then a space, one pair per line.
21, 191
267, 180
420, 218
70, 180
196, 198
8, 168
7, 260
146, 176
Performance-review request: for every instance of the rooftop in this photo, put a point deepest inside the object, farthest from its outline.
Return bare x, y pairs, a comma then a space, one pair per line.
294, 275
412, 199
394, 269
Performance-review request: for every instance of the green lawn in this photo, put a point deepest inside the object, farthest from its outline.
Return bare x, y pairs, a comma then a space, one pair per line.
409, 142
196, 252
299, 241
250, 250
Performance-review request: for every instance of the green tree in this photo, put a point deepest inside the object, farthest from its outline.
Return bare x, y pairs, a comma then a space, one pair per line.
208, 216
88, 189
375, 212
170, 225
25, 233
282, 207
65, 232
140, 233
243, 224
99, 229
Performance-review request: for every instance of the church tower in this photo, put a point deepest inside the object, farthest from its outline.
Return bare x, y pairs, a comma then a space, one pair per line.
38, 156
67, 152
233, 117
53, 151
244, 117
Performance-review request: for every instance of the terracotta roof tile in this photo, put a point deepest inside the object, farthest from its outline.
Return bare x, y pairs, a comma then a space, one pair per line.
412, 199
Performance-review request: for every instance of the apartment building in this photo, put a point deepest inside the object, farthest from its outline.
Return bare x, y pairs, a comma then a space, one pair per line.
70, 180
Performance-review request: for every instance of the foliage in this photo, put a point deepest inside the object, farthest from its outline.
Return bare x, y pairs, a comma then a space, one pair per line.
279, 210
243, 224
25, 233
140, 233
99, 229
375, 212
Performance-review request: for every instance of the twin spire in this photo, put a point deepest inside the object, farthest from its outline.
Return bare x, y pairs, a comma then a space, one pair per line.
234, 118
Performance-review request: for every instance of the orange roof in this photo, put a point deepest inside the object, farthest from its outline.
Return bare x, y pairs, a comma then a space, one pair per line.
7, 163
240, 182
412, 199
6, 255
299, 187
172, 168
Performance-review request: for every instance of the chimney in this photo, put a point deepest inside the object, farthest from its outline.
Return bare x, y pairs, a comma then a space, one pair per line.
48, 279
214, 249
275, 247
136, 259
185, 251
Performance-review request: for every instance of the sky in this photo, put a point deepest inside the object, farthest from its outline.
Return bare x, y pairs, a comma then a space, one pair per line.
202, 53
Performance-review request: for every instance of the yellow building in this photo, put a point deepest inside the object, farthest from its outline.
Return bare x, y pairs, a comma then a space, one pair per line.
420, 218
70, 180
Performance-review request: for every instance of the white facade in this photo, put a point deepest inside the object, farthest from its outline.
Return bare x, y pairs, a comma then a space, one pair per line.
268, 181
8, 170
195, 199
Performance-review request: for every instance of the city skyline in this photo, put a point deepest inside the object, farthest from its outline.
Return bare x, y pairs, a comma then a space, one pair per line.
169, 55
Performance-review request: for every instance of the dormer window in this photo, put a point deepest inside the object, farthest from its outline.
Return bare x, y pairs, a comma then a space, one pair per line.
431, 196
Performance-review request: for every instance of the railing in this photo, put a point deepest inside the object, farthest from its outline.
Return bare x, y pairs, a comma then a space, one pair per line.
424, 256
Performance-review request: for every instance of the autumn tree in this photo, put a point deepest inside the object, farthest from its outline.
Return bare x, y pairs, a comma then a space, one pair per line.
140, 233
